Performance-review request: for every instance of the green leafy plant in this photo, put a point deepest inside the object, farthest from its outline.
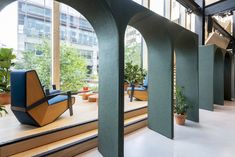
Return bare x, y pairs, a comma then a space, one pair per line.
133, 54
73, 67
180, 106
134, 74
6, 57
2, 111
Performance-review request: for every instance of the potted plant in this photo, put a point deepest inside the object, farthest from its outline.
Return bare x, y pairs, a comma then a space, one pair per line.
134, 74
6, 57
180, 106
2, 111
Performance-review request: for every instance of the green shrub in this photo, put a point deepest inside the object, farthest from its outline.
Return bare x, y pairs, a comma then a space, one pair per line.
73, 66
134, 74
6, 57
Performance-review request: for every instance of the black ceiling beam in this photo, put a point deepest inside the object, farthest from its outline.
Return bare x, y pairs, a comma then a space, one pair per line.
191, 6
221, 30
219, 7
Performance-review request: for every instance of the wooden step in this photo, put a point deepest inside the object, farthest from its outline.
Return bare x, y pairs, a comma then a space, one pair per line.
27, 143
135, 112
80, 143
47, 137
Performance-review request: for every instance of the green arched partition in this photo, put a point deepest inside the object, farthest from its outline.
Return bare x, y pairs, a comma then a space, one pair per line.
211, 78
111, 104
228, 76
219, 77
186, 49
162, 37
4, 3
160, 61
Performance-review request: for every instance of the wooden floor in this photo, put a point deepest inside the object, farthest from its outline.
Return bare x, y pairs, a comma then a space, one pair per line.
11, 129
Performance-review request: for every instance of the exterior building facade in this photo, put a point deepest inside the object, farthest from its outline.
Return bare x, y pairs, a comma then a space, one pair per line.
35, 24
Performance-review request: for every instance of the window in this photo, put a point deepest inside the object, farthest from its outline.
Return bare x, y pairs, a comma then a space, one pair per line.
157, 6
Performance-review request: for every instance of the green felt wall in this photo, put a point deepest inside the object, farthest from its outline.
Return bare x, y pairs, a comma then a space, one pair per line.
206, 69
218, 76
160, 72
111, 60
211, 77
187, 71
232, 78
228, 76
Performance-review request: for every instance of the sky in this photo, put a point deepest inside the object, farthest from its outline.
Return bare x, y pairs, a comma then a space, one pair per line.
8, 26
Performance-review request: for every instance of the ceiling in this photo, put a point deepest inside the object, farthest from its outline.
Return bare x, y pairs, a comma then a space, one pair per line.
208, 2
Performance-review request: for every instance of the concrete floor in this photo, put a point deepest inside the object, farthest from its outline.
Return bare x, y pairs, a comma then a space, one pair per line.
214, 136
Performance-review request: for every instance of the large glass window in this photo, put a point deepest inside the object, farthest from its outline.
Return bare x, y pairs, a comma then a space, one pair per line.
157, 6
31, 38
133, 46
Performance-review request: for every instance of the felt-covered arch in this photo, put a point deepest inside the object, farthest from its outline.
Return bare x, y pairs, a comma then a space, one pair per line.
186, 49
160, 70
111, 124
218, 76
160, 35
211, 77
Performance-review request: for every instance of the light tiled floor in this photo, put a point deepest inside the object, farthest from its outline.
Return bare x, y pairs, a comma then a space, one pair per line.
214, 136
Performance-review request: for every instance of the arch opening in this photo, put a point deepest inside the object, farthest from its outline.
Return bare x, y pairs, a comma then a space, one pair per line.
98, 14
187, 77
160, 70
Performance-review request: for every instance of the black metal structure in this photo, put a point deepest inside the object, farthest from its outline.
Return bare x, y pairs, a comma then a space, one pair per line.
191, 6
220, 6
200, 22
219, 28
198, 7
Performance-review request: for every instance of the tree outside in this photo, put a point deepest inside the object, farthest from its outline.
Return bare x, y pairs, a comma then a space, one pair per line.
73, 66
133, 46
133, 54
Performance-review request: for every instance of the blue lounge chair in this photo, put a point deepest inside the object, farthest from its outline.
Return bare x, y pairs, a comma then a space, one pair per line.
139, 93
31, 105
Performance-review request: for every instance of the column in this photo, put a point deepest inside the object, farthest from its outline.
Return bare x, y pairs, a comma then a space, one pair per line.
200, 23
56, 44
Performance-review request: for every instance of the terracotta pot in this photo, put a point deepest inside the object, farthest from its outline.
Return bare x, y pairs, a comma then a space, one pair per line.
180, 119
5, 98
85, 88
